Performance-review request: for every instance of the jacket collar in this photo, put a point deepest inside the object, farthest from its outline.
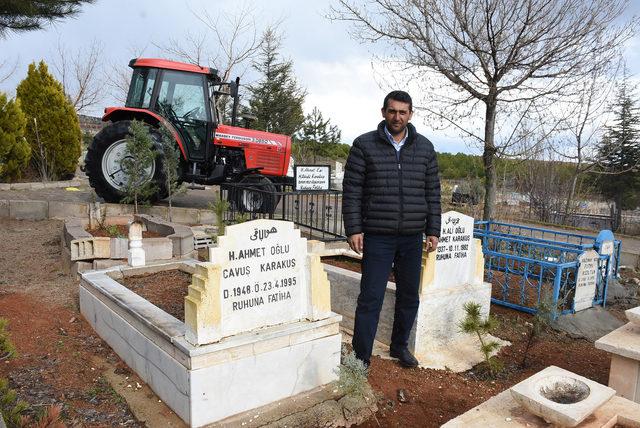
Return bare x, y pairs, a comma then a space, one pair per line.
410, 137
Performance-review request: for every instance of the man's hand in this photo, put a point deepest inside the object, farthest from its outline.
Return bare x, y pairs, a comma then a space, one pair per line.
356, 242
432, 243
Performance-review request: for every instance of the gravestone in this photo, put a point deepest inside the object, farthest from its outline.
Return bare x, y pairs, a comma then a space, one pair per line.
260, 275
451, 276
586, 280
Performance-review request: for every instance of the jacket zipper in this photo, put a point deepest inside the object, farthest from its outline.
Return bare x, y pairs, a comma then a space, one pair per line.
399, 157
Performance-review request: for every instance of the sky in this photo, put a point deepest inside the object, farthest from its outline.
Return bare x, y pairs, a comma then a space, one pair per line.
336, 71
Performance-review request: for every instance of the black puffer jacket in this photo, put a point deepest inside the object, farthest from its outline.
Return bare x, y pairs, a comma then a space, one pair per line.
386, 195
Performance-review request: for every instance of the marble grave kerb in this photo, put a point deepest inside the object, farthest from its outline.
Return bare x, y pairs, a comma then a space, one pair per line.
258, 325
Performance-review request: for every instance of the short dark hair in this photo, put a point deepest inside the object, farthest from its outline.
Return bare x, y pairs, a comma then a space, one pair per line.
401, 96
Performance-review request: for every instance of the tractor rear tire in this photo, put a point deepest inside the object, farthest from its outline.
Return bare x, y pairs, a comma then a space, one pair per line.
262, 200
102, 163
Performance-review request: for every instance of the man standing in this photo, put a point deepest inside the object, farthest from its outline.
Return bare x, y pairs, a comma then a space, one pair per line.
391, 197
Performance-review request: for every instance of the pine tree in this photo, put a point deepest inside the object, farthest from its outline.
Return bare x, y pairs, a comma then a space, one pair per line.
26, 15
53, 130
170, 164
14, 149
619, 152
141, 154
276, 99
317, 135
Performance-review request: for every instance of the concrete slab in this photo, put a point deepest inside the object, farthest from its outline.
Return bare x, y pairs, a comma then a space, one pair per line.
5, 186
63, 210
590, 324
4, 208
28, 210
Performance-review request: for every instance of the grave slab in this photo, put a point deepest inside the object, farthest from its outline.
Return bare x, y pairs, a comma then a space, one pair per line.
624, 346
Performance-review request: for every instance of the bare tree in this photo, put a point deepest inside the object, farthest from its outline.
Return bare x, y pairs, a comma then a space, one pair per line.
118, 75
81, 74
585, 126
516, 54
7, 69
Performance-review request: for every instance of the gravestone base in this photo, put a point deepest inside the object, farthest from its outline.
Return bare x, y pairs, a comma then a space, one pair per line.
205, 384
438, 343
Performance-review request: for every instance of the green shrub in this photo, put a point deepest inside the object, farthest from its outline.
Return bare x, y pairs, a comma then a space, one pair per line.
15, 152
139, 188
352, 374
53, 130
474, 324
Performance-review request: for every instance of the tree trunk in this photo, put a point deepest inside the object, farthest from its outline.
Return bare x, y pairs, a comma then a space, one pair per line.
572, 191
488, 159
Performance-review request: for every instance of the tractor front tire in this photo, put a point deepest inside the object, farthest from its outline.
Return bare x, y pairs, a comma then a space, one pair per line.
102, 163
255, 194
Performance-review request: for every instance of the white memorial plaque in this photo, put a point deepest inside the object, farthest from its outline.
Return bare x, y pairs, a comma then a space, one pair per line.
312, 177
454, 259
586, 280
263, 280
607, 249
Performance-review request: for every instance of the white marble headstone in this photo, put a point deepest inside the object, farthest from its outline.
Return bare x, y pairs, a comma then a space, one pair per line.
135, 255
263, 276
455, 261
607, 248
586, 280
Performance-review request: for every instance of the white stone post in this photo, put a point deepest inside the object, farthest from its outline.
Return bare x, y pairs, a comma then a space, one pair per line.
135, 255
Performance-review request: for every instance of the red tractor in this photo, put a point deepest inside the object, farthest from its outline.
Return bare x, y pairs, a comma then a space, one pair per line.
182, 97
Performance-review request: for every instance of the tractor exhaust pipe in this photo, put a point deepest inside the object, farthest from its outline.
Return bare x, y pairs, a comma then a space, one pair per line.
234, 91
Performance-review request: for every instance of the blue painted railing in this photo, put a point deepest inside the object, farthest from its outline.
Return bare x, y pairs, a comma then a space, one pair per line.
526, 266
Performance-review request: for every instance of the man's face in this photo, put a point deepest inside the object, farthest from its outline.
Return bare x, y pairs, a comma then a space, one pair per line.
396, 116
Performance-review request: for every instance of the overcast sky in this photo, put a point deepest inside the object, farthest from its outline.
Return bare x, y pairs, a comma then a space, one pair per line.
335, 70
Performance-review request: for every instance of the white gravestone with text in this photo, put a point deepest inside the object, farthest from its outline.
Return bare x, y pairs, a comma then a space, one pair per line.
586, 280
263, 276
451, 276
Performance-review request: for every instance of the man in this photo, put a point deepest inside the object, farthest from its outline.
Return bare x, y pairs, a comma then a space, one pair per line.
391, 196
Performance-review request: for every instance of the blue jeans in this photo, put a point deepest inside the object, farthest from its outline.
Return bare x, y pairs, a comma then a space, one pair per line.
381, 253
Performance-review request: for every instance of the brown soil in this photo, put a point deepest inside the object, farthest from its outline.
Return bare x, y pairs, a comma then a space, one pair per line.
120, 231
165, 289
59, 359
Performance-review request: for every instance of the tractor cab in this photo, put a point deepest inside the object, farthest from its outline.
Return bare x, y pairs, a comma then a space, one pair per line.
185, 97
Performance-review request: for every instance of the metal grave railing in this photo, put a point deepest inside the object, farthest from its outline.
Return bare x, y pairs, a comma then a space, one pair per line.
526, 268
317, 213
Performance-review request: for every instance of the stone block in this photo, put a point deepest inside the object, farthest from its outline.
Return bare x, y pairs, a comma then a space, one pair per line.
624, 341
207, 217
185, 215
316, 247
157, 248
100, 264
90, 248
633, 315
5, 186
119, 248
61, 210
20, 186
118, 210
536, 394
4, 208
78, 267
74, 228
28, 210
624, 377
36, 186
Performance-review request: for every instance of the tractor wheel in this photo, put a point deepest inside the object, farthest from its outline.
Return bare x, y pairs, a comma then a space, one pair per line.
255, 194
102, 163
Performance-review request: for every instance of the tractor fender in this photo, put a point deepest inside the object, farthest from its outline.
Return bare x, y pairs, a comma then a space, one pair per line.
115, 114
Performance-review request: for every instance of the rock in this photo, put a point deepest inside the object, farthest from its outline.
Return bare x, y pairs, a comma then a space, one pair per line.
402, 396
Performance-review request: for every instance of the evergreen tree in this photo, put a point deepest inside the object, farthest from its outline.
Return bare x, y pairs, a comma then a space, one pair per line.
14, 149
317, 135
141, 154
171, 165
619, 152
26, 15
276, 99
53, 130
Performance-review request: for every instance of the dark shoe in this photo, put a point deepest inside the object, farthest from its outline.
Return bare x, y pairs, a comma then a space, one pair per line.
405, 357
